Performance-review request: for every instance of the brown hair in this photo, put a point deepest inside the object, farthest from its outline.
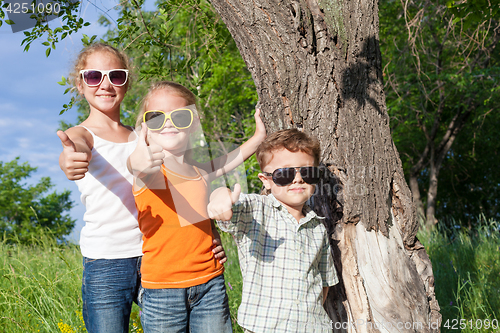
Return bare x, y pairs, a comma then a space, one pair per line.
81, 60
289, 139
170, 87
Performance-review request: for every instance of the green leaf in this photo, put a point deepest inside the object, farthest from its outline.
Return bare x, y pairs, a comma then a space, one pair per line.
47, 52
63, 81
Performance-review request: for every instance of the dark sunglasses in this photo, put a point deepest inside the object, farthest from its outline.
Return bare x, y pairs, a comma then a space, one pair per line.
285, 176
94, 77
156, 119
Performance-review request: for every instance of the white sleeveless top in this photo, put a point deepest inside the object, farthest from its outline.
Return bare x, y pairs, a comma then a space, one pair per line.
111, 230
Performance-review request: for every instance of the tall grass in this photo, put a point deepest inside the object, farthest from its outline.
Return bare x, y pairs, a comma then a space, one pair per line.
232, 275
40, 283
40, 287
466, 266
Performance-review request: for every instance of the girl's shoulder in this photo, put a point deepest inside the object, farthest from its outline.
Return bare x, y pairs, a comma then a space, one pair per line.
79, 133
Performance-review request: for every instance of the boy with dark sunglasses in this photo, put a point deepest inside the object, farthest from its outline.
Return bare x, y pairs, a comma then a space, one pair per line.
283, 247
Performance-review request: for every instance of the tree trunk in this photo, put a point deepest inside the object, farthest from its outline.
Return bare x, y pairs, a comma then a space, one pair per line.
317, 66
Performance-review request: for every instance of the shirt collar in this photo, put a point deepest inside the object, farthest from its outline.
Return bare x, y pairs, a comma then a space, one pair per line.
309, 214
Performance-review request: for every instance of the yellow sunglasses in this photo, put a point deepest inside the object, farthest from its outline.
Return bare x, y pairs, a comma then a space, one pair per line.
155, 119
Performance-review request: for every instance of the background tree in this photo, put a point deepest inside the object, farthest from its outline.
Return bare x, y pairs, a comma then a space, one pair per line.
317, 66
26, 209
442, 82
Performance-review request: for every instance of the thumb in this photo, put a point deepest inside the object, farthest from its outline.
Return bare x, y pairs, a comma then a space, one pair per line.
235, 195
66, 141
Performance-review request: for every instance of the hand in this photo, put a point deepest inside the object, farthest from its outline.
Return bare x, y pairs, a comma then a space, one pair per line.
74, 164
260, 129
218, 251
221, 203
146, 159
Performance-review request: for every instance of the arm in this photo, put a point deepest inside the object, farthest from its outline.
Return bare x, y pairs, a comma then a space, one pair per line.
325, 294
77, 152
226, 163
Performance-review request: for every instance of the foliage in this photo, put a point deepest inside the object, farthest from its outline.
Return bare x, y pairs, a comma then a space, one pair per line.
466, 265
442, 86
27, 210
68, 15
474, 11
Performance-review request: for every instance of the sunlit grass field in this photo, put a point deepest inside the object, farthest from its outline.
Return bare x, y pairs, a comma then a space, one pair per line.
40, 283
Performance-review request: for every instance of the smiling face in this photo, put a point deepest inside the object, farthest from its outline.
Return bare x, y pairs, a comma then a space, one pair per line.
295, 195
105, 97
171, 139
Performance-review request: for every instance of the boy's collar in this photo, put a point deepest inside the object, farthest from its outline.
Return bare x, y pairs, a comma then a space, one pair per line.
308, 212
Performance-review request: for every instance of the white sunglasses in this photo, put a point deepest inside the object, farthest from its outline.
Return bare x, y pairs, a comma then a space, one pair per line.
94, 77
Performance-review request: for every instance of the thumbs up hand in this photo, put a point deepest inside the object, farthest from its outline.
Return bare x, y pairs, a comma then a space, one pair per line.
74, 164
221, 203
147, 157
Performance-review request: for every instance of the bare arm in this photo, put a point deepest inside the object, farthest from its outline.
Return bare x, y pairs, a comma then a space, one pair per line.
221, 165
325, 293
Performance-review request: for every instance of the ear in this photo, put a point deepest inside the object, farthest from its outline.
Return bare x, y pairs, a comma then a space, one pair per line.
265, 180
79, 86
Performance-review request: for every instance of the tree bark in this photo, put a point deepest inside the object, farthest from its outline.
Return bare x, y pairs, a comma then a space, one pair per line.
317, 66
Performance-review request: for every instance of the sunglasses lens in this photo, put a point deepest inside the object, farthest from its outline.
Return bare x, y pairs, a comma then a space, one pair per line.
154, 120
310, 175
118, 77
283, 176
92, 78
181, 118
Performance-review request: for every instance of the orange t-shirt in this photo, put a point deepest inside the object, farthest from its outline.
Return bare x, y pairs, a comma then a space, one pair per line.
177, 232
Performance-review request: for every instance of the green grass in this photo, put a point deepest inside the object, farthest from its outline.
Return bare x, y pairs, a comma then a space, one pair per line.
466, 266
40, 284
40, 287
232, 275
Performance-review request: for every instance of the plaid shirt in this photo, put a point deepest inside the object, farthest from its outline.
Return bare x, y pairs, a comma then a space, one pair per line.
284, 264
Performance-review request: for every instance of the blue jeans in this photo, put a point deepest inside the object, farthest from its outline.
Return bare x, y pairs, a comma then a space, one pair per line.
109, 286
199, 309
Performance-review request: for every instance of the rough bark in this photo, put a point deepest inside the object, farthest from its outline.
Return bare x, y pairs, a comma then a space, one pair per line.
317, 66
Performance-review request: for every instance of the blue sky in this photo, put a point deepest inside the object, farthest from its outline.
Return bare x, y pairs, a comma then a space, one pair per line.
30, 101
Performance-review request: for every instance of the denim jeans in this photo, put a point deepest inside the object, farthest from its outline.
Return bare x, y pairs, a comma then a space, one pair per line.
199, 309
109, 286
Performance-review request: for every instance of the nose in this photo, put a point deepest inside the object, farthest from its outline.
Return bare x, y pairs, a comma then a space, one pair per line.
168, 123
105, 82
298, 177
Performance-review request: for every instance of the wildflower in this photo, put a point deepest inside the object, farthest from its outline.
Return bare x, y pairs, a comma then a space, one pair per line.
230, 286
65, 328
451, 303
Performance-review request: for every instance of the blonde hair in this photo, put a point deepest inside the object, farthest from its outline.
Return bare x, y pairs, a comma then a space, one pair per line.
81, 60
169, 87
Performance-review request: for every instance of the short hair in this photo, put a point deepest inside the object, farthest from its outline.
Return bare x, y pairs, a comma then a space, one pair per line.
173, 88
290, 139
